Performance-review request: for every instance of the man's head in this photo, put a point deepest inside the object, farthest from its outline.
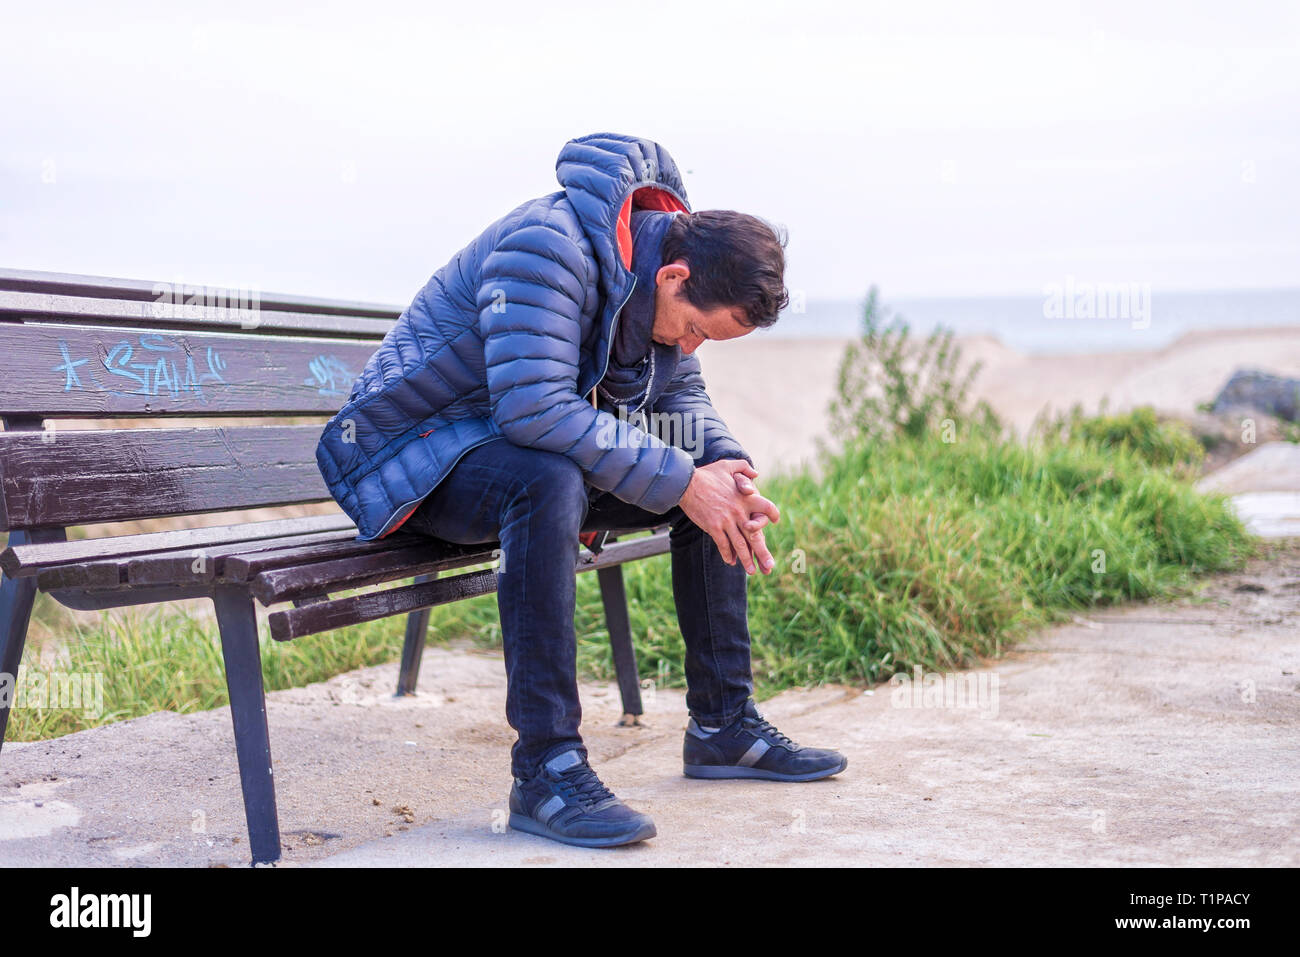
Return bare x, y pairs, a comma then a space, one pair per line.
723, 276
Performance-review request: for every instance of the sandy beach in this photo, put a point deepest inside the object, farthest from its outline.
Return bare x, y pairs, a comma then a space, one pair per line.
773, 393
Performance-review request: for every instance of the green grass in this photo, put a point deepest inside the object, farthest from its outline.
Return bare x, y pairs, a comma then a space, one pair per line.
1169, 443
161, 659
934, 554
902, 553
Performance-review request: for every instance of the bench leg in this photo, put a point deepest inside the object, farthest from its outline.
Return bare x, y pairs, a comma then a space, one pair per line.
614, 597
417, 628
16, 598
238, 622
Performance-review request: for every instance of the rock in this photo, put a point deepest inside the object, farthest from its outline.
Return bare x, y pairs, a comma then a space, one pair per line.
1251, 390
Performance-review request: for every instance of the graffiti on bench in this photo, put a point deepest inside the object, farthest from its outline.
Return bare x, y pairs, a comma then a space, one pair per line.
157, 365
148, 367
330, 376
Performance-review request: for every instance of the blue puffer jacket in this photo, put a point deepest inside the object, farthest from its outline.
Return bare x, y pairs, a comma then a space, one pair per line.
508, 339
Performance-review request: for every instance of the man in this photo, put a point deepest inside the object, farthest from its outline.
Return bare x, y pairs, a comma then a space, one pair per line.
514, 401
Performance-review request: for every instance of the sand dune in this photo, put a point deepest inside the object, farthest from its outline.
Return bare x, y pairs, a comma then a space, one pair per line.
773, 393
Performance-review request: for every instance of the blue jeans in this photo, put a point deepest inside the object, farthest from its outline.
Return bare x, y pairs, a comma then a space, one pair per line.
535, 503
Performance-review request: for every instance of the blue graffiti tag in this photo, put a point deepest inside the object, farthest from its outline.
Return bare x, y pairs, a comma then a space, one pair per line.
154, 371
69, 367
329, 375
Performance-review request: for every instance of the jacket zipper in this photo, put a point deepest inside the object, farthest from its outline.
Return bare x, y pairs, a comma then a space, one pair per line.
609, 346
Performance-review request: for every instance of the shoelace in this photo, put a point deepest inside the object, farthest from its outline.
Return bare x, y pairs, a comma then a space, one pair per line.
584, 786
763, 726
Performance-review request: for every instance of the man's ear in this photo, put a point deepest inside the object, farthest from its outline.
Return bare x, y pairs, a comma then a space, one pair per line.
674, 273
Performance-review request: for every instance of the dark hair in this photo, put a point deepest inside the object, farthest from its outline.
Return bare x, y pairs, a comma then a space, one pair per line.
735, 260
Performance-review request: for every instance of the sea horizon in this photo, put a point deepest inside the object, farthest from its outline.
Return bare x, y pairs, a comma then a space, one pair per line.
1067, 319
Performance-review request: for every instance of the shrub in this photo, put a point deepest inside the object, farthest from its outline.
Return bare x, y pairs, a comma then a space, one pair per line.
1167, 444
890, 386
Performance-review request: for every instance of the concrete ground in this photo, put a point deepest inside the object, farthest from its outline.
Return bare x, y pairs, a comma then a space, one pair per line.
1157, 735
1265, 488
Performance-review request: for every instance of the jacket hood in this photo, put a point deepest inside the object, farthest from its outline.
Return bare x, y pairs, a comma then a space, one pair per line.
607, 175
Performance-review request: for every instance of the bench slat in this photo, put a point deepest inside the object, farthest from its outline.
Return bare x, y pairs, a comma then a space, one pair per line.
18, 561
339, 612
48, 369
244, 568
91, 599
97, 575
78, 478
105, 287
172, 567
40, 305
321, 578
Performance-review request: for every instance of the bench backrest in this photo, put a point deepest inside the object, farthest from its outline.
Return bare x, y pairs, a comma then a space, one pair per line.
84, 347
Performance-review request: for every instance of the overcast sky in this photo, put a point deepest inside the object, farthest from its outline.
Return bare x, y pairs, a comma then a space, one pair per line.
939, 148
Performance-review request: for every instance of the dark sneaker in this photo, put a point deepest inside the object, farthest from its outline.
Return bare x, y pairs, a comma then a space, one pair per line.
568, 803
751, 747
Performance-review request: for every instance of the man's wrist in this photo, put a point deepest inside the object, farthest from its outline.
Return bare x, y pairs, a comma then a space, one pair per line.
686, 488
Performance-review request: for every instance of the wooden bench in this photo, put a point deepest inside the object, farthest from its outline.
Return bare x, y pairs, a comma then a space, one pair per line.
88, 348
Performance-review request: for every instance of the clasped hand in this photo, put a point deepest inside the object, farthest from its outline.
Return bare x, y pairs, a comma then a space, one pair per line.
723, 501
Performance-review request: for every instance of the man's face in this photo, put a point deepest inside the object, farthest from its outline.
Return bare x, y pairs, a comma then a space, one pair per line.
678, 322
